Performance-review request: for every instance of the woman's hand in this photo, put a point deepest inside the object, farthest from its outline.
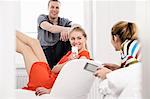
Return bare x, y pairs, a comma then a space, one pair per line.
111, 66
73, 56
41, 90
101, 72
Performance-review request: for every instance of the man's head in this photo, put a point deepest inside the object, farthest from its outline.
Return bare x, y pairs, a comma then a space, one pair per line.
53, 7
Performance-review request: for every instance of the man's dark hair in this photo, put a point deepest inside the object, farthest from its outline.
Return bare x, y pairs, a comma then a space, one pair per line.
52, 0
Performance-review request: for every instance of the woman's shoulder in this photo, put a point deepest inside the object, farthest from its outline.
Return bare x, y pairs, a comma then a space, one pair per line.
132, 48
131, 42
85, 53
130, 45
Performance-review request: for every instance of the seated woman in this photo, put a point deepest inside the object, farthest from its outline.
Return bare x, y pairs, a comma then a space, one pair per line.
125, 40
41, 77
116, 80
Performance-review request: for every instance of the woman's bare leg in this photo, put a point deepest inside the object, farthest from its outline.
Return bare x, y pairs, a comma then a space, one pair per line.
34, 44
28, 54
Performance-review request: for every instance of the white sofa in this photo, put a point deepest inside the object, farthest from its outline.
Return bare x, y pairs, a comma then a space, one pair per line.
124, 83
73, 82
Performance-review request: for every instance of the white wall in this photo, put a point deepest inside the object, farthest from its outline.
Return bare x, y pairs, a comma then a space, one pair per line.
145, 38
31, 9
88, 23
143, 20
109, 12
106, 14
8, 23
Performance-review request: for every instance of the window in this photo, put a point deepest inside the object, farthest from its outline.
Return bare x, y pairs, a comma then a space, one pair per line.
30, 10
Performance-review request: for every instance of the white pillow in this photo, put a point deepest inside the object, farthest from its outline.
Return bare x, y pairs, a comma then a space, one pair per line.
73, 80
119, 79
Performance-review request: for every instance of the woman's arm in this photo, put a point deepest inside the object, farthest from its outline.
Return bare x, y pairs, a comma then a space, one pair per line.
102, 72
107, 67
58, 67
111, 66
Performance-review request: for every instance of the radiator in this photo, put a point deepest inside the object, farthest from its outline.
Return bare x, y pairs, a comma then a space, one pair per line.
21, 77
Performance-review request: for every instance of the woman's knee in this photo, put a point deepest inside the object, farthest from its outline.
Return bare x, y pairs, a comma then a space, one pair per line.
35, 42
26, 49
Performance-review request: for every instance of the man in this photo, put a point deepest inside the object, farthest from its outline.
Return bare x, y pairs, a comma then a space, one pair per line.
53, 33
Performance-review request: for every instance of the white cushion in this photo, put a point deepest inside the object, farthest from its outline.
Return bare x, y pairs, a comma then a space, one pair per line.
73, 80
121, 78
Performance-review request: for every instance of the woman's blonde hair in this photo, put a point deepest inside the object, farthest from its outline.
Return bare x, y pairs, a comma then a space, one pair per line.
125, 30
79, 29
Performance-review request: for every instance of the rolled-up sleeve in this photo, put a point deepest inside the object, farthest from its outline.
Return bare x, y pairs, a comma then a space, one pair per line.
41, 18
68, 23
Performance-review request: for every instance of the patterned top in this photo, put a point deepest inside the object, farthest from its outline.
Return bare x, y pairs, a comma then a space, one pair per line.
130, 53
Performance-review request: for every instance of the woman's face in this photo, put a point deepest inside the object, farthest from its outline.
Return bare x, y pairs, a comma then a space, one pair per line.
77, 39
116, 42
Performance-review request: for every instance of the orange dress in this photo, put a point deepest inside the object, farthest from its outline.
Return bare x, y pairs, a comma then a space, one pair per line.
42, 76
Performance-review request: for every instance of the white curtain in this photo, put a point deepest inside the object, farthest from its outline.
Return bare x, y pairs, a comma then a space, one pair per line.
8, 23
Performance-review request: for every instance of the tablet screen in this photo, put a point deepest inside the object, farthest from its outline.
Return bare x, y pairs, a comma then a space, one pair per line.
90, 67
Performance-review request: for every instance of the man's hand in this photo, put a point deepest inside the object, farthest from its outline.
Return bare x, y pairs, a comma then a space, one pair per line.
41, 90
64, 34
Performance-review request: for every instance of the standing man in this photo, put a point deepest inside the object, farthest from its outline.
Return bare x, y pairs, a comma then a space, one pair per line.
53, 33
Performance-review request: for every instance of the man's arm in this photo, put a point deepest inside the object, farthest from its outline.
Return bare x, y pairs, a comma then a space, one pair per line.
53, 28
64, 31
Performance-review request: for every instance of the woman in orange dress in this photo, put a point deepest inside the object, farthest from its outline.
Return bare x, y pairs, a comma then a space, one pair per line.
41, 77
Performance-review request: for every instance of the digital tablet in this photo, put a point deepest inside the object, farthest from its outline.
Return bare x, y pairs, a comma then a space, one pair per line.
90, 67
